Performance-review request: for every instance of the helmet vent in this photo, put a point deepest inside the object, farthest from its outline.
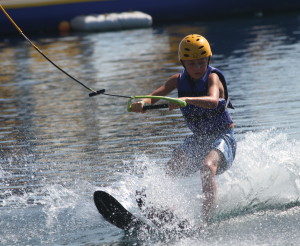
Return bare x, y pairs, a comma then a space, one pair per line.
186, 55
200, 47
187, 49
204, 52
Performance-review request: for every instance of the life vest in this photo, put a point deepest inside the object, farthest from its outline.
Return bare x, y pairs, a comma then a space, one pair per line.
203, 120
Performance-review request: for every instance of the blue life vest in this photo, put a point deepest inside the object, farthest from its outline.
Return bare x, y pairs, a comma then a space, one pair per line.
203, 120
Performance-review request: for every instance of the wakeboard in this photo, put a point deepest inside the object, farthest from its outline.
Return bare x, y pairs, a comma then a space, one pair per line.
113, 212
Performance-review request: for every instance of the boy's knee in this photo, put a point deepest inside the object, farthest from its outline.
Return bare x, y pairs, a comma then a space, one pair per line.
209, 167
177, 165
211, 162
173, 167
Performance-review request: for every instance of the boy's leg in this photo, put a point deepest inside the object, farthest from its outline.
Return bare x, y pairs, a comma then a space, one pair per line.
180, 163
177, 165
208, 173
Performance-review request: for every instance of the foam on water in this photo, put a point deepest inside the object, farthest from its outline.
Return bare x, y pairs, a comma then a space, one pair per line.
261, 189
266, 173
59, 215
266, 170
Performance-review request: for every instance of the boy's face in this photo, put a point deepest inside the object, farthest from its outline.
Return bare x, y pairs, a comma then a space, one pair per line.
196, 68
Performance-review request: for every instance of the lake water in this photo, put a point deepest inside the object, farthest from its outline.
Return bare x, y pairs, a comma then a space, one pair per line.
58, 145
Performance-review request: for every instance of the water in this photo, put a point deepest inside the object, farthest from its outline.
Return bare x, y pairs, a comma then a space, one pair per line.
58, 145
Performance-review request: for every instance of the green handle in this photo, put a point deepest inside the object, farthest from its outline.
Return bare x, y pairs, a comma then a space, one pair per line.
169, 99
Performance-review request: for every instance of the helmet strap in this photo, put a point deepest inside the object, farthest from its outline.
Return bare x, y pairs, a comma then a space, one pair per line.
182, 63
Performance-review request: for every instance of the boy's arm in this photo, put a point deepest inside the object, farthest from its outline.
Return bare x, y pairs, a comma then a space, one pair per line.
164, 90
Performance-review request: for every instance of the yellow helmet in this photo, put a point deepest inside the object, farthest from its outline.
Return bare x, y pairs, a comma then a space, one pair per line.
193, 46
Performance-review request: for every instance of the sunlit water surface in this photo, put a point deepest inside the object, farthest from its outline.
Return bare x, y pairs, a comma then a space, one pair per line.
58, 145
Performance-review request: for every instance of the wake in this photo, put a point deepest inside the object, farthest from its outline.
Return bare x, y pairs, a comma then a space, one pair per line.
265, 176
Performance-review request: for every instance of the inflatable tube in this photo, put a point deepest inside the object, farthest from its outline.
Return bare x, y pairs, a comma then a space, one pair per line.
113, 21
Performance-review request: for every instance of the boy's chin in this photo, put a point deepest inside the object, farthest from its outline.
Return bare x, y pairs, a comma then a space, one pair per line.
196, 77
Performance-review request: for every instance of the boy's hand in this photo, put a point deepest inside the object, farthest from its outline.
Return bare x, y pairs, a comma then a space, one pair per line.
137, 107
173, 105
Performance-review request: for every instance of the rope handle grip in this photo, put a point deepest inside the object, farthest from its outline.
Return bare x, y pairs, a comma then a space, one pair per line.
158, 106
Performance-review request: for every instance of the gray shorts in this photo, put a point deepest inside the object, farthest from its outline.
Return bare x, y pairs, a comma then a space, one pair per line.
193, 150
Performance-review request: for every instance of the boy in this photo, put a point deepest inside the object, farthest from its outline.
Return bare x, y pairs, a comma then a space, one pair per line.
211, 149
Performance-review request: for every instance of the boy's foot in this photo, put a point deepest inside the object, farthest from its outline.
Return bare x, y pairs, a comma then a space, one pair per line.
140, 197
158, 216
